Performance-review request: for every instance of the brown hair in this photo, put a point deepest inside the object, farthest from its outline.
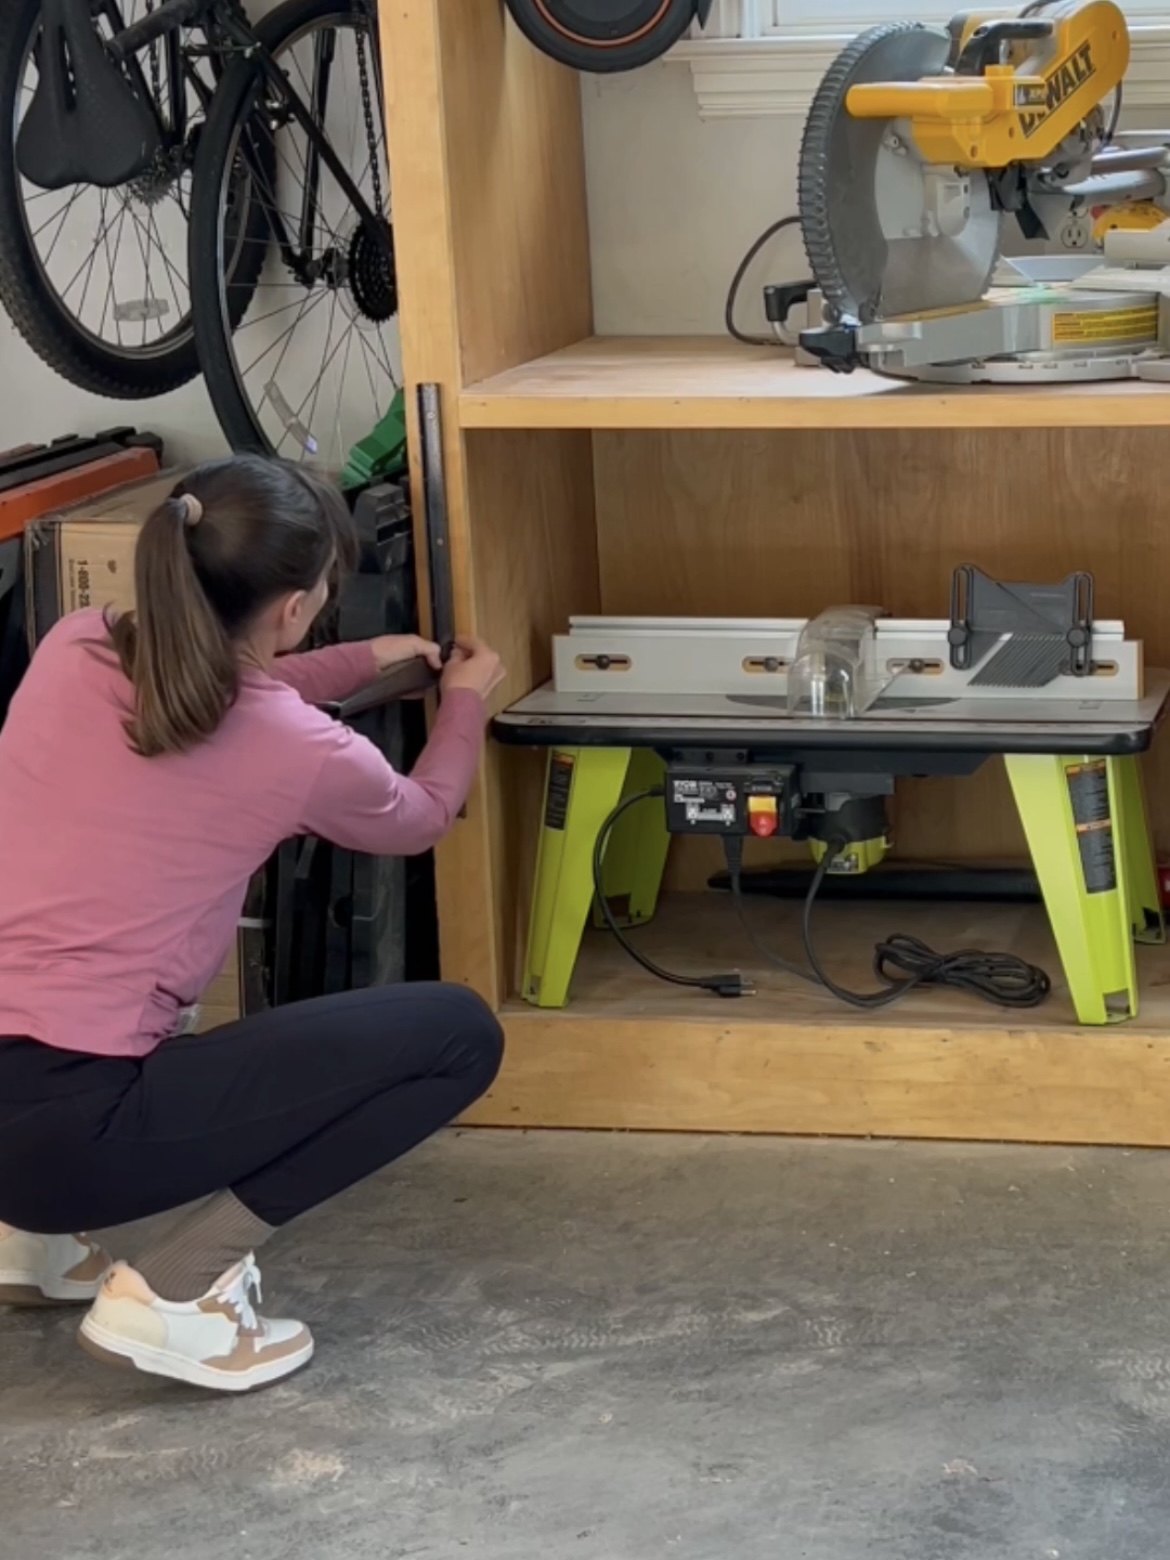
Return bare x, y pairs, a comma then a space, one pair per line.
232, 538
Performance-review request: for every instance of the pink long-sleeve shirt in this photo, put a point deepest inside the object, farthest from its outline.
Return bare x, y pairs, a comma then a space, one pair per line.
122, 878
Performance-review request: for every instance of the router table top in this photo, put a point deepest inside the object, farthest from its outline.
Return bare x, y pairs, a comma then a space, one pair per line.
1024, 724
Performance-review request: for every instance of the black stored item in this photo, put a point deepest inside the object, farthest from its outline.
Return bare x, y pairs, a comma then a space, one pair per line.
973, 885
343, 920
86, 123
392, 927
1050, 629
34, 463
606, 35
287, 1107
13, 638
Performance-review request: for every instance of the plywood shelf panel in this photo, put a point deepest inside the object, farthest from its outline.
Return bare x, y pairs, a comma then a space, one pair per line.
711, 382
632, 1053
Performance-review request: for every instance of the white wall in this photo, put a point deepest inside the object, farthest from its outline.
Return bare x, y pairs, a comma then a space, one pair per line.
35, 406
674, 202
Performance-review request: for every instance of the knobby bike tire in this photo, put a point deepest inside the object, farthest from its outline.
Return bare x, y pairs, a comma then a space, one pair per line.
34, 308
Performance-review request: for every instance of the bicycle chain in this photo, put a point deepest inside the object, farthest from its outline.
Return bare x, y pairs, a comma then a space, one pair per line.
371, 132
155, 68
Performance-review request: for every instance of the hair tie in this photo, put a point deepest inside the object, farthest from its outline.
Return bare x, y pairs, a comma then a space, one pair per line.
191, 507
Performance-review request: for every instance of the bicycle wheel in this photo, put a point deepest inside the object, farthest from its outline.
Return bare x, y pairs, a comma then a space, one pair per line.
94, 279
313, 364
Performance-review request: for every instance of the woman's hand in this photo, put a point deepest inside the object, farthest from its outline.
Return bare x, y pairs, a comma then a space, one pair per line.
472, 665
391, 649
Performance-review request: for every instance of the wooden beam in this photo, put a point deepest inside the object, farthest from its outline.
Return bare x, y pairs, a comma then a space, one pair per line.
987, 1083
491, 247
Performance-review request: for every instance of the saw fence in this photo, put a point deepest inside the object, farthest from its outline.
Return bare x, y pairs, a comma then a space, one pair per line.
696, 478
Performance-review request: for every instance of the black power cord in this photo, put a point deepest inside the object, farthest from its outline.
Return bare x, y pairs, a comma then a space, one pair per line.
733, 854
737, 282
1001, 978
731, 985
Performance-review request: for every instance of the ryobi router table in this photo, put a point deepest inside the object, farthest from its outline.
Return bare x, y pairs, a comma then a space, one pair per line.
801, 728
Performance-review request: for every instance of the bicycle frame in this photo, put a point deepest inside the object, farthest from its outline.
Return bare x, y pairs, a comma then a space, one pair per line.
227, 18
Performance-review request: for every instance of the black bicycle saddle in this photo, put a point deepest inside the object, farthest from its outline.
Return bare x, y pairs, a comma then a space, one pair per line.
85, 124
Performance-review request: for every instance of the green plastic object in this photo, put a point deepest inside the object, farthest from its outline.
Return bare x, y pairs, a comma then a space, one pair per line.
381, 453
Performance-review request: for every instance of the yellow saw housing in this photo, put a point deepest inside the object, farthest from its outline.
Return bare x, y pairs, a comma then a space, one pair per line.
1002, 115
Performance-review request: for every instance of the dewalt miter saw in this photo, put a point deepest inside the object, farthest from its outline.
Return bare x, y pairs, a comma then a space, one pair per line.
922, 145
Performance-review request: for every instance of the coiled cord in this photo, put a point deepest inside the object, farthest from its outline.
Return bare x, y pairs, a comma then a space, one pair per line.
1001, 978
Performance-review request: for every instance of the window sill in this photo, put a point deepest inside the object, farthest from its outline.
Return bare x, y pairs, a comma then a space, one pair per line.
743, 77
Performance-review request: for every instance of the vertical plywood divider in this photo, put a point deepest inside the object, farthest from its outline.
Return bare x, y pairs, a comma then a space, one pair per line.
491, 244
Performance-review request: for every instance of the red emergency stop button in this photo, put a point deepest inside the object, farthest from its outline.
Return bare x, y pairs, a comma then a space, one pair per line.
763, 818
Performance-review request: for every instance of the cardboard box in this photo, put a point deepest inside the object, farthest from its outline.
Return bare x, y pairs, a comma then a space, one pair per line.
83, 556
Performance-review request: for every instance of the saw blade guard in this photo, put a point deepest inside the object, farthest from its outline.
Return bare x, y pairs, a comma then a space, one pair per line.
885, 232
836, 673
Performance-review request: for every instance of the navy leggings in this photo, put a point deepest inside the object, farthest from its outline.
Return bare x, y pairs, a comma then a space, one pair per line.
286, 1108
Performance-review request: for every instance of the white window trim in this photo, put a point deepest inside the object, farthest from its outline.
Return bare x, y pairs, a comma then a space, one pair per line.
738, 75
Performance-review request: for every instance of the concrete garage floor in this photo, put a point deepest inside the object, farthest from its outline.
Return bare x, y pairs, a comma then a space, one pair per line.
613, 1348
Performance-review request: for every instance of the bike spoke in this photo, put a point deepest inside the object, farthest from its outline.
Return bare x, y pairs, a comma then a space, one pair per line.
308, 377
87, 228
315, 391
311, 301
92, 263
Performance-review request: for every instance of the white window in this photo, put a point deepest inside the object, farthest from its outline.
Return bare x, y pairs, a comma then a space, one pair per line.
767, 56
781, 18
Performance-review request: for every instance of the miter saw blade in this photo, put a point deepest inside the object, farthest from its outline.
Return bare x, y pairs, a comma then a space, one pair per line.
870, 207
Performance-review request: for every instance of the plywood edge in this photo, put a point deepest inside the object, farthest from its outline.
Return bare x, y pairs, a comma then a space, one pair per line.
709, 382
983, 1083
480, 409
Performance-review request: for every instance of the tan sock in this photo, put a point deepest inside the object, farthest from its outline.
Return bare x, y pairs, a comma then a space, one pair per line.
201, 1248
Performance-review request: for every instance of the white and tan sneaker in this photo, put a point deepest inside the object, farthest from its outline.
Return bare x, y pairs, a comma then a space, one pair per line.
49, 1269
217, 1342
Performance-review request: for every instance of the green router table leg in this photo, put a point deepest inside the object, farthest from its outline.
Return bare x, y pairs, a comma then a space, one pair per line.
636, 856
1071, 810
584, 785
1141, 872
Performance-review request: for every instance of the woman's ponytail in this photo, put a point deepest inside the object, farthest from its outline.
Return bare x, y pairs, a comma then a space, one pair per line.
235, 536
174, 647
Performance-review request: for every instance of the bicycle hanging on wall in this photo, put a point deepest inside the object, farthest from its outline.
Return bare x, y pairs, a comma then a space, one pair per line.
183, 189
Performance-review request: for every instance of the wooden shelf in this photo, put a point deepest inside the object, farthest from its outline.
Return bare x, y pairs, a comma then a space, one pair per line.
710, 382
630, 1052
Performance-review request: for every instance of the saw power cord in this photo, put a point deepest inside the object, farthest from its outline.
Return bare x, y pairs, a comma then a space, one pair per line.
737, 282
729, 985
1001, 978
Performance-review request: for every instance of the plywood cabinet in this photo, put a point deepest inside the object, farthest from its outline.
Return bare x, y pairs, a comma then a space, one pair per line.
693, 475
